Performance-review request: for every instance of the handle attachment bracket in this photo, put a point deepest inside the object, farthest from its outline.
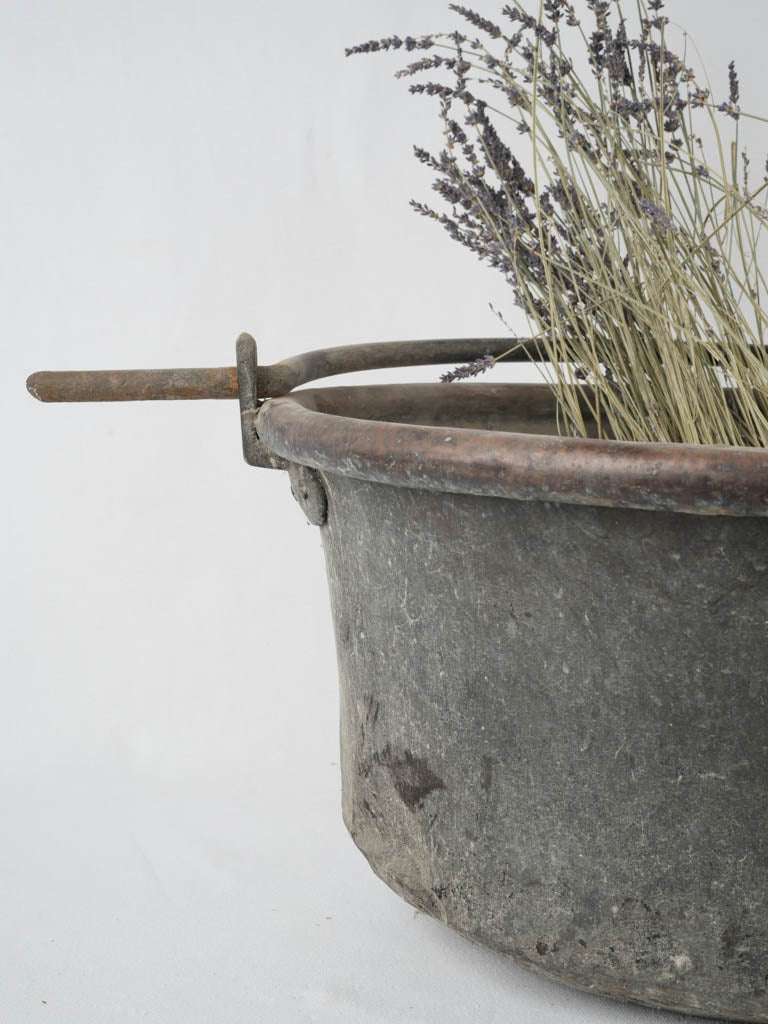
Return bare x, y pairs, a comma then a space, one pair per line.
255, 452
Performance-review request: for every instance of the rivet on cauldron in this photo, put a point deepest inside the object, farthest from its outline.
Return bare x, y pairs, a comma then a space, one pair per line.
307, 488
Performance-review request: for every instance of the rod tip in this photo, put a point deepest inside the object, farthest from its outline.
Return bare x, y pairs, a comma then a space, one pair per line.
34, 382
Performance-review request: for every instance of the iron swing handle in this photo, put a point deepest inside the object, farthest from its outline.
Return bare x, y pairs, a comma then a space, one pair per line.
272, 381
251, 383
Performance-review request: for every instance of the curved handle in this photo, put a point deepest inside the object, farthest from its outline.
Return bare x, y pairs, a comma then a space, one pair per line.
273, 381
281, 378
251, 383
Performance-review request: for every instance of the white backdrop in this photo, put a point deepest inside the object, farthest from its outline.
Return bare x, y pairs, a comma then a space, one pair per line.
172, 846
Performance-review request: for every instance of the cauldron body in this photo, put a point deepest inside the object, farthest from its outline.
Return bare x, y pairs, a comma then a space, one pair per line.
553, 716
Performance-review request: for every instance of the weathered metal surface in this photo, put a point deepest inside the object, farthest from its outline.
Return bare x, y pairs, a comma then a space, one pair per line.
554, 712
702, 479
555, 732
133, 385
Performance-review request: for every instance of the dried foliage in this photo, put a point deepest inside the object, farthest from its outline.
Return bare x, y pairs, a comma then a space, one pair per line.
633, 255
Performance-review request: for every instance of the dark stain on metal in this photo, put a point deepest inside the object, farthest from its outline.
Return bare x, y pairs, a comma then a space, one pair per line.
733, 939
486, 772
411, 776
372, 713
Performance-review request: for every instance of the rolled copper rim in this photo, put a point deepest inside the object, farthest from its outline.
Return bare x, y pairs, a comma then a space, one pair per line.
314, 428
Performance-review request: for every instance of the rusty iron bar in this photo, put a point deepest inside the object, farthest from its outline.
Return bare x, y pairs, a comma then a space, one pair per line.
273, 381
133, 385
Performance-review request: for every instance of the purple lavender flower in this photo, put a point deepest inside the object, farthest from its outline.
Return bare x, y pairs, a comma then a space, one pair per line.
475, 19
425, 64
391, 43
731, 105
657, 214
514, 13
471, 369
554, 9
733, 81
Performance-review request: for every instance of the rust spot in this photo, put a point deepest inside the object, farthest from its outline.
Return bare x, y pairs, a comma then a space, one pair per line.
412, 777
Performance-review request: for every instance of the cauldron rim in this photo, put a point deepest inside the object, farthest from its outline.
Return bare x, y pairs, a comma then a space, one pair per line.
359, 431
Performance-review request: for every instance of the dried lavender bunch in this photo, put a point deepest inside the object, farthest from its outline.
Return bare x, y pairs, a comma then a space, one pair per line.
633, 255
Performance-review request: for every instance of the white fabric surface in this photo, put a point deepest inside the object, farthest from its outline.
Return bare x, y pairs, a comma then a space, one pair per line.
172, 845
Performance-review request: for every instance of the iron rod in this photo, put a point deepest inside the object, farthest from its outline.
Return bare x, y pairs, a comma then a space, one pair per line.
133, 385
